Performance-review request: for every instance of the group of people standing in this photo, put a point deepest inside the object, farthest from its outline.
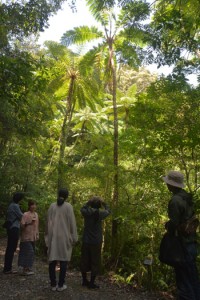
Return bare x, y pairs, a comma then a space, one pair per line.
60, 237
26, 227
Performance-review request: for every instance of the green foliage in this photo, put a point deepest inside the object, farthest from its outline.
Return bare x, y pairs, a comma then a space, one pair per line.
158, 122
176, 27
20, 18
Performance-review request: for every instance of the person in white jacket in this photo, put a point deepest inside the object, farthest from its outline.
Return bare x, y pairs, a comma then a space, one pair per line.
61, 235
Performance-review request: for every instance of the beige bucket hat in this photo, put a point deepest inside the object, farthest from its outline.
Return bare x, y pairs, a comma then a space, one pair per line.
174, 178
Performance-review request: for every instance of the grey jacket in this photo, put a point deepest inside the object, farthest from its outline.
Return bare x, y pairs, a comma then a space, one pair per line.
14, 214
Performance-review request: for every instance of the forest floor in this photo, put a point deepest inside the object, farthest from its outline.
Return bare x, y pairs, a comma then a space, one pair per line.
36, 287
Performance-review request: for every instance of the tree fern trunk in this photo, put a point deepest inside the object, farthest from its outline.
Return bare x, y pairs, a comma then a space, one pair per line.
64, 134
114, 245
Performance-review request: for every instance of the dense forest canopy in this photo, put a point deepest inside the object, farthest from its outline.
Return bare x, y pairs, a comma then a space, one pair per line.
100, 123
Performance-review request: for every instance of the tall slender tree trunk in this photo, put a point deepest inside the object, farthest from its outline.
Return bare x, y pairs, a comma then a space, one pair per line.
64, 134
115, 150
114, 245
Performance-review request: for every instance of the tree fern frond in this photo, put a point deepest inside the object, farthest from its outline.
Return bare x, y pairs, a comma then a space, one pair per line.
132, 90
87, 61
62, 91
96, 6
80, 35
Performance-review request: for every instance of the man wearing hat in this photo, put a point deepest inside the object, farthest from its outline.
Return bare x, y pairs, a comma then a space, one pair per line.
180, 209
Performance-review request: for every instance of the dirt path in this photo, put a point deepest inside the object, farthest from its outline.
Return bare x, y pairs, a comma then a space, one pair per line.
36, 287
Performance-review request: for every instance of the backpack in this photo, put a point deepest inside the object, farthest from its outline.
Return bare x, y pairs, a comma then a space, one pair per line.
172, 251
190, 226
190, 221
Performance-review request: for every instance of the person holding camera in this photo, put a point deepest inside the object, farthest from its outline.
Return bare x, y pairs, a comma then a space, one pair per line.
28, 238
93, 212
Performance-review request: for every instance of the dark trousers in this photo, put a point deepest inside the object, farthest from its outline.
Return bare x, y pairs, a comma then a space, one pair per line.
91, 258
62, 274
13, 237
187, 279
26, 254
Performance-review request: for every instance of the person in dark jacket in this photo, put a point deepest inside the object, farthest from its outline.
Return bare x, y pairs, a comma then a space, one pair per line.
14, 216
94, 211
180, 209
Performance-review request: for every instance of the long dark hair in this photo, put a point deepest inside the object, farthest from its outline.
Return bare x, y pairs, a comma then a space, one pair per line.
62, 196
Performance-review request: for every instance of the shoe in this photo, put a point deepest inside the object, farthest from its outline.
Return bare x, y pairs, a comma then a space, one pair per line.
7, 272
54, 288
93, 286
10, 272
27, 273
62, 288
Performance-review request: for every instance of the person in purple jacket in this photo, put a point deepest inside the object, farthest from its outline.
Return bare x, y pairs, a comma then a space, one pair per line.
94, 211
